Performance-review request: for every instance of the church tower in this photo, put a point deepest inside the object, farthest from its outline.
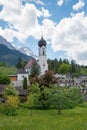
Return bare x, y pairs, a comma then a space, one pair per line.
42, 59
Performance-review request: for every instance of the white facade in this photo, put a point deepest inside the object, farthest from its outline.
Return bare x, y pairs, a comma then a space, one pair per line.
20, 77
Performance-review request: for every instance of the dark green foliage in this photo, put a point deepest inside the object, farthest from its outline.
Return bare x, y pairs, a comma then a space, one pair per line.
53, 65
7, 110
54, 97
73, 67
25, 86
4, 79
3, 64
66, 61
35, 69
38, 97
44, 98
75, 96
10, 57
21, 63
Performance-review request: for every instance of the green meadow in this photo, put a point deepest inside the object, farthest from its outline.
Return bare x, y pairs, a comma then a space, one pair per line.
70, 119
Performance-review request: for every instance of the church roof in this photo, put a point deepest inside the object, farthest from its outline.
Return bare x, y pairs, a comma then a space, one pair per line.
30, 63
42, 42
22, 71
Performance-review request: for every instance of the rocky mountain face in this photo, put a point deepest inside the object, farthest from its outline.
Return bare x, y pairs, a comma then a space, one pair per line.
10, 55
27, 51
6, 43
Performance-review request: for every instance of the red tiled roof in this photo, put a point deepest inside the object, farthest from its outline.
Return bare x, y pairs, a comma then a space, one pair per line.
30, 63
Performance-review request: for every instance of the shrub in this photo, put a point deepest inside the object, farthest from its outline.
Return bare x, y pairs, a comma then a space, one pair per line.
7, 110
12, 101
10, 90
4, 79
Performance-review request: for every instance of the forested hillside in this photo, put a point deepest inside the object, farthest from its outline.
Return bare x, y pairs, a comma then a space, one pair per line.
66, 67
11, 57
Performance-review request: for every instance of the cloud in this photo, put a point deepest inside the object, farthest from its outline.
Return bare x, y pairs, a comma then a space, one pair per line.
70, 35
22, 20
60, 2
45, 13
79, 5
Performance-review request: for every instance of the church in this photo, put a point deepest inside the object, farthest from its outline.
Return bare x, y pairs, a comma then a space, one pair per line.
17, 80
42, 58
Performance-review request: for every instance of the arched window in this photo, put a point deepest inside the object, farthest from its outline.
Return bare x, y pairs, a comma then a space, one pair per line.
43, 52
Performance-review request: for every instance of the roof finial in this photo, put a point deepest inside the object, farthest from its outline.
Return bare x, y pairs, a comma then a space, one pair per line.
41, 34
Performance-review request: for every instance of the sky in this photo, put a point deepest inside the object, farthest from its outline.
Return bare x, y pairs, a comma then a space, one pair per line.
62, 23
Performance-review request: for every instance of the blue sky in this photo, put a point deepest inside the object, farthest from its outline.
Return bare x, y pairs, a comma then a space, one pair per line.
63, 24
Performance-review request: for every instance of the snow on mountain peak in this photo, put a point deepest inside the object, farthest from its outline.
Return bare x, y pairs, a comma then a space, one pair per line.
27, 51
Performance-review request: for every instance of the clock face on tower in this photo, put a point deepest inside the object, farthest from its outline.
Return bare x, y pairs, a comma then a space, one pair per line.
43, 66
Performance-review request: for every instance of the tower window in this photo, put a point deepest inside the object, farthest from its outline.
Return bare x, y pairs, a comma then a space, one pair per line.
43, 52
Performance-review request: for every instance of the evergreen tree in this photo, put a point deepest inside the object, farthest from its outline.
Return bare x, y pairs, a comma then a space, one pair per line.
19, 64
66, 61
73, 67
35, 69
25, 83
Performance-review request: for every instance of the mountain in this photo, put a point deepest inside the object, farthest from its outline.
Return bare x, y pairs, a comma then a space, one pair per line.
27, 51
10, 56
24, 50
3, 41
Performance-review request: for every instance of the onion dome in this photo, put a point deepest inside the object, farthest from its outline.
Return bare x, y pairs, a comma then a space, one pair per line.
42, 42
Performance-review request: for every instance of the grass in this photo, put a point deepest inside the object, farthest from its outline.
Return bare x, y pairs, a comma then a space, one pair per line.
8, 70
72, 119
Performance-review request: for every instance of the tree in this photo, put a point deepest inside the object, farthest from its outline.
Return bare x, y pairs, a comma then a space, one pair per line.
75, 96
25, 83
20, 63
47, 79
35, 69
65, 98
64, 68
12, 100
60, 62
34, 79
10, 90
53, 65
44, 98
58, 98
66, 61
3, 64
4, 79
73, 67
33, 96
